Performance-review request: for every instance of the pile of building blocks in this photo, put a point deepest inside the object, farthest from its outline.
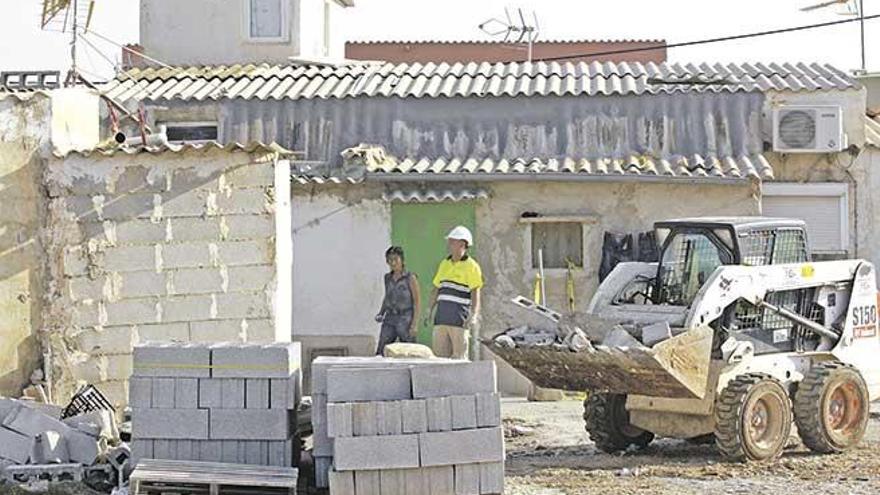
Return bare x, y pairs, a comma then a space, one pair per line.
229, 402
397, 426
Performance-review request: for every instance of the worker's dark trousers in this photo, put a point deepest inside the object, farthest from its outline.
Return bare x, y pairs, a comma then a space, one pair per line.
395, 328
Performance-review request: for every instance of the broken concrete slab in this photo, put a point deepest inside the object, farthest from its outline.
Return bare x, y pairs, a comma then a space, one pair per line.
387, 452
99, 424
30, 422
464, 412
172, 360
461, 447
619, 337
462, 378
170, 424
251, 424
82, 448
15, 446
368, 384
278, 360
656, 333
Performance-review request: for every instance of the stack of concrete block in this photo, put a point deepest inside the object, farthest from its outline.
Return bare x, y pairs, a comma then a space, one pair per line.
398, 426
232, 403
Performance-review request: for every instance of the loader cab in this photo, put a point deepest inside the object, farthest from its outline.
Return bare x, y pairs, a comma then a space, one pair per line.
691, 250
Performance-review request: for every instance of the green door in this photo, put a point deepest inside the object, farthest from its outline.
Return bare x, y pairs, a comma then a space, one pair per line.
421, 228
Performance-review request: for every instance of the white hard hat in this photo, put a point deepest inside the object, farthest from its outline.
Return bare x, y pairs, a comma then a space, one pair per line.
461, 233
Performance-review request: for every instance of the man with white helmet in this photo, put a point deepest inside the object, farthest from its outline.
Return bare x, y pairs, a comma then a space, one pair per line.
456, 296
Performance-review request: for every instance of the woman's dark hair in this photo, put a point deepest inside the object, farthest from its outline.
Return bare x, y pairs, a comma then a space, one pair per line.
396, 251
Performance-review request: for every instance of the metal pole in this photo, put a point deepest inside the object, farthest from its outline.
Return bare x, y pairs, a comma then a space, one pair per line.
862, 24
71, 76
543, 300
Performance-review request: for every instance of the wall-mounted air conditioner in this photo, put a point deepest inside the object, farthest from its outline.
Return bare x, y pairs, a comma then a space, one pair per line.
808, 129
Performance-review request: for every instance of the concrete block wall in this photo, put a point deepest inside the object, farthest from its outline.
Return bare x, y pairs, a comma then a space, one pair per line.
383, 427
172, 246
221, 402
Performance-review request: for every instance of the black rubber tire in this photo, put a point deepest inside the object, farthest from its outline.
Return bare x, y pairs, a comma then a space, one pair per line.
607, 422
739, 405
816, 398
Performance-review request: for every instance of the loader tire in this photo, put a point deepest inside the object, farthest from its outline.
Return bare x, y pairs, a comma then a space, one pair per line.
752, 418
607, 422
831, 407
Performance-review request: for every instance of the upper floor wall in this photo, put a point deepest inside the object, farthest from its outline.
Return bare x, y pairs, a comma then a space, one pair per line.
222, 32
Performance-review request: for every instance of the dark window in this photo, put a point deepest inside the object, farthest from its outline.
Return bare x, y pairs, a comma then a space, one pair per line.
180, 133
561, 242
688, 262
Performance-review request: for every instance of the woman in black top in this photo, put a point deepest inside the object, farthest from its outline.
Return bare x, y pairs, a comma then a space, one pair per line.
400, 307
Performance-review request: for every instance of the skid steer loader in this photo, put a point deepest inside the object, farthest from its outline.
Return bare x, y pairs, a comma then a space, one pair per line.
733, 335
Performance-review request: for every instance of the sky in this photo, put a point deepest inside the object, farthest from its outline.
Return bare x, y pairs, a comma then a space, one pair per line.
23, 46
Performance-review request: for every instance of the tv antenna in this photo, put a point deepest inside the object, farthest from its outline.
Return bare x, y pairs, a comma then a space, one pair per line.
514, 29
68, 16
851, 8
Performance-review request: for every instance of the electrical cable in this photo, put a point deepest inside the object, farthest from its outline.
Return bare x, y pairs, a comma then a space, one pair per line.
709, 40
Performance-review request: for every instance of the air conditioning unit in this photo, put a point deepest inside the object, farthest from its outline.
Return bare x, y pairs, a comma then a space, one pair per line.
808, 129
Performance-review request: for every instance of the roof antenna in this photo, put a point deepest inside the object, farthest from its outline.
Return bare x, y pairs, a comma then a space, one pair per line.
514, 29
71, 18
851, 8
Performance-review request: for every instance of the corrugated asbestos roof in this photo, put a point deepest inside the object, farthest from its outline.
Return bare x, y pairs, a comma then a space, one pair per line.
255, 147
381, 166
435, 195
494, 42
872, 131
279, 82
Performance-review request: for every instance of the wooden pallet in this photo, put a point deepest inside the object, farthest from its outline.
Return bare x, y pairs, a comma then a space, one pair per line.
164, 477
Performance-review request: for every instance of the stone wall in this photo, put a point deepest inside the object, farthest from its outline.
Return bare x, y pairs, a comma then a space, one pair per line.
168, 246
24, 133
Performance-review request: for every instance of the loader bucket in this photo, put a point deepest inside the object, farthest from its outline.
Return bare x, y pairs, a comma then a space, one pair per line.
675, 368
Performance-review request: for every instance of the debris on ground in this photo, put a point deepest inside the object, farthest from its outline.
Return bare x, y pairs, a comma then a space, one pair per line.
514, 427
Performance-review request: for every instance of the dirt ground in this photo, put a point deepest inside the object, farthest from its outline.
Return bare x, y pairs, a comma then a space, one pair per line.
554, 456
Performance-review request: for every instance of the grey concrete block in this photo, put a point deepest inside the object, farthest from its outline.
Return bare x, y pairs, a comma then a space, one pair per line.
170, 424
30, 422
340, 420
323, 465
186, 393
464, 412
461, 447
441, 479
163, 393
364, 419
492, 478
186, 450
342, 482
238, 253
210, 450
323, 364
439, 414
656, 333
251, 305
416, 481
257, 393
14, 446
172, 360
229, 451
141, 448
488, 410
6, 407
323, 445
50, 448
392, 482
389, 418
415, 416
187, 308
256, 452
367, 482
250, 278
232, 393
251, 424
467, 479
255, 360
286, 393
368, 384
210, 393
463, 378
164, 449
280, 453
140, 392
388, 452
197, 281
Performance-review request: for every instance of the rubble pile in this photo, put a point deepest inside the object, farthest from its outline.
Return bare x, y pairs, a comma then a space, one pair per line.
37, 444
230, 402
568, 337
388, 426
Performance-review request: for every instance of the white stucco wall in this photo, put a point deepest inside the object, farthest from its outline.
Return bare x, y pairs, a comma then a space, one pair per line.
338, 264
210, 32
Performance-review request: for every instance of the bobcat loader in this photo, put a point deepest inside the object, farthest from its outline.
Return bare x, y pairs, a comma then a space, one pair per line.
754, 337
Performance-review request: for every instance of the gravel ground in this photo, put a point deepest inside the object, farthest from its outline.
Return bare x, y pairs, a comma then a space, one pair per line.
555, 456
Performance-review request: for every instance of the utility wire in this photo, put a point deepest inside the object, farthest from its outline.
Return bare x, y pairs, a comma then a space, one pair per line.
709, 40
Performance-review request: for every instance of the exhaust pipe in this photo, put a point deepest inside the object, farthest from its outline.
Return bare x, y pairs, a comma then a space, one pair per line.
155, 139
